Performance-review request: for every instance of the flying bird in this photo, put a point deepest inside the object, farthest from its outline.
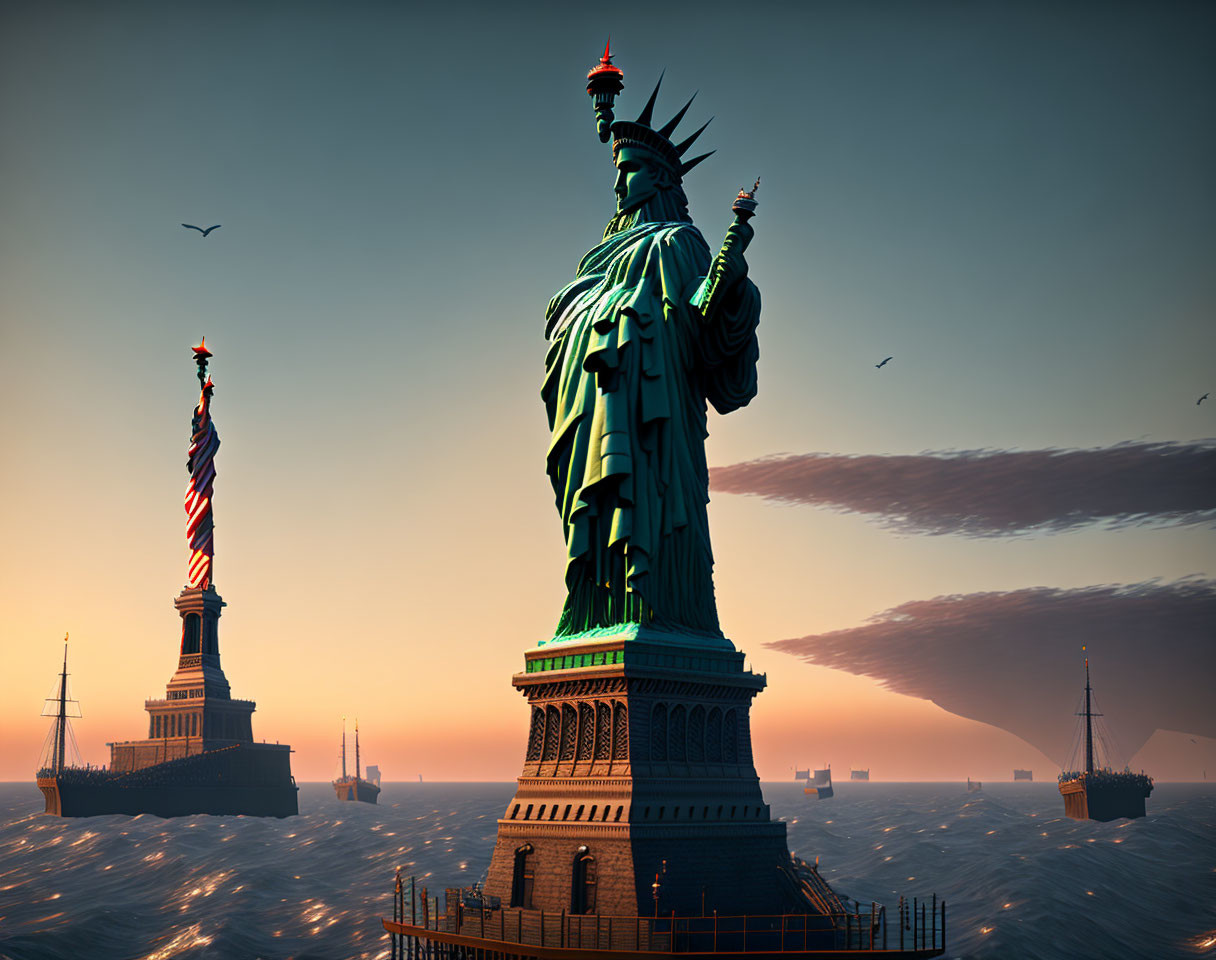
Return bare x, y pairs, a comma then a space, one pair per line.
190, 226
1201, 399
879, 366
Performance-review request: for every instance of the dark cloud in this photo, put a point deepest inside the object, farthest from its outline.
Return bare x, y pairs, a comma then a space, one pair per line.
1014, 659
995, 492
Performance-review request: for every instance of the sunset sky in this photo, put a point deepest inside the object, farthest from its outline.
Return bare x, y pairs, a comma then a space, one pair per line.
1015, 201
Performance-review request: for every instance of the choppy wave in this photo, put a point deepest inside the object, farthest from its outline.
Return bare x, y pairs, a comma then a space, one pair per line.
1019, 878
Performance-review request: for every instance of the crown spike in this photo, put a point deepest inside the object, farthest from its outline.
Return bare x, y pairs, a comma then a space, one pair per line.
681, 147
670, 128
685, 167
647, 113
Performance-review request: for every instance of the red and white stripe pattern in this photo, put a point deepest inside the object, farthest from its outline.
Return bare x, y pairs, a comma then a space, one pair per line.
200, 532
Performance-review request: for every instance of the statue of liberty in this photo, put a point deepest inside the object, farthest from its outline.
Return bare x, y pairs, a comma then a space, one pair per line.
652, 327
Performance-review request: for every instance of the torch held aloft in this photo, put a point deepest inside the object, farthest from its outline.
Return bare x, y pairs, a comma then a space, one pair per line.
710, 292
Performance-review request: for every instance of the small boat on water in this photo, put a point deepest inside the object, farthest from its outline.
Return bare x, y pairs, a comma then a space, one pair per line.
821, 785
356, 788
860, 774
1023, 774
974, 786
1100, 793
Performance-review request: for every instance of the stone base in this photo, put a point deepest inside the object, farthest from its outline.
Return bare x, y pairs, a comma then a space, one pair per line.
639, 771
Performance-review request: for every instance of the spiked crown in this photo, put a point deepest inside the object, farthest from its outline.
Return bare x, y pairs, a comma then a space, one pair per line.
640, 134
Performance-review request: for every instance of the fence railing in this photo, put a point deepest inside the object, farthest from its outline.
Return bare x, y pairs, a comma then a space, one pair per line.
918, 925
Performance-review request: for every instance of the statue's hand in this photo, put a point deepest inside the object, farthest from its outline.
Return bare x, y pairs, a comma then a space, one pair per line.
729, 267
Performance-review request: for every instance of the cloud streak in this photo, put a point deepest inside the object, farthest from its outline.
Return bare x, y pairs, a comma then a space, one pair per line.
1013, 659
992, 493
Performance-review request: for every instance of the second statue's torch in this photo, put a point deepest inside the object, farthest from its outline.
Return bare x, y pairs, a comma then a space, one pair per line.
604, 82
710, 292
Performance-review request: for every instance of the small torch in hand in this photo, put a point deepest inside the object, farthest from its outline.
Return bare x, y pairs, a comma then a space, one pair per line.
738, 236
604, 82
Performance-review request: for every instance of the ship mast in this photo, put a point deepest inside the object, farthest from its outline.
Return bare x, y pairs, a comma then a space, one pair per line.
1089, 725
61, 719
344, 748
356, 749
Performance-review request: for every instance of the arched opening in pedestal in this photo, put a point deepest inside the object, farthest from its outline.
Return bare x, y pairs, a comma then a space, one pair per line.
583, 886
523, 878
191, 633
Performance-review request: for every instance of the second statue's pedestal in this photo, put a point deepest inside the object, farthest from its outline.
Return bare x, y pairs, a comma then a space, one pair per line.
639, 770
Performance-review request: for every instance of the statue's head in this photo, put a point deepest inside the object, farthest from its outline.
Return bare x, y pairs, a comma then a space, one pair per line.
638, 178
647, 162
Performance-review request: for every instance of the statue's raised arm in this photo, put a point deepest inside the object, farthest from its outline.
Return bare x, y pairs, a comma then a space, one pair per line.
652, 327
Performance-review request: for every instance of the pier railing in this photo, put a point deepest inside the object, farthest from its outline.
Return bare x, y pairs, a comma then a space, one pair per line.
468, 928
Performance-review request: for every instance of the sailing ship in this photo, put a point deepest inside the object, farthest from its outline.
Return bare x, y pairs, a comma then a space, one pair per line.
1100, 793
1023, 774
860, 774
821, 785
355, 788
53, 768
974, 786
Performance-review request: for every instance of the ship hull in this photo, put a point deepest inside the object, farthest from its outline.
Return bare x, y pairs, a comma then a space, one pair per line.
1098, 801
237, 781
360, 790
821, 786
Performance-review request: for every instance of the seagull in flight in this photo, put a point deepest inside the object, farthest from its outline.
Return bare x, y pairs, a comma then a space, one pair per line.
1201, 399
190, 226
879, 366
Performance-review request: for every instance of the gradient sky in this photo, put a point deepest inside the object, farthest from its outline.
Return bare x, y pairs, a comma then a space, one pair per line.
1014, 200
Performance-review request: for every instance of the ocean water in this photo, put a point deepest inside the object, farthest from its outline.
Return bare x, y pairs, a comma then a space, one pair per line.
1020, 880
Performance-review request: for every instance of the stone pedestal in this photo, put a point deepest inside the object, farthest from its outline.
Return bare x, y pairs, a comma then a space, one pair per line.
197, 713
639, 770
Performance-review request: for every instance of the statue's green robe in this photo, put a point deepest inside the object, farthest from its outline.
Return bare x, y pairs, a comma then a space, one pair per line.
627, 376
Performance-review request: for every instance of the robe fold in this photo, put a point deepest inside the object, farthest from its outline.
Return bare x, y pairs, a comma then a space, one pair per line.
630, 367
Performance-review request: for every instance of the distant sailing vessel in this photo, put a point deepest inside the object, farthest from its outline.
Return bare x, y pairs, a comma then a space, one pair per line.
356, 788
1023, 774
974, 786
860, 774
1100, 793
821, 785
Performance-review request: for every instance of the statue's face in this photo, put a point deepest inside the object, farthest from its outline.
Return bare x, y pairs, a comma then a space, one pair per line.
635, 179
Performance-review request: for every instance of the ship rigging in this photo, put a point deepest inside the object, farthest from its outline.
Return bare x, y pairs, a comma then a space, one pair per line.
1099, 792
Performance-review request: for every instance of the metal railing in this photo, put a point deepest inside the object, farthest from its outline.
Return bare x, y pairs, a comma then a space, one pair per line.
918, 927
